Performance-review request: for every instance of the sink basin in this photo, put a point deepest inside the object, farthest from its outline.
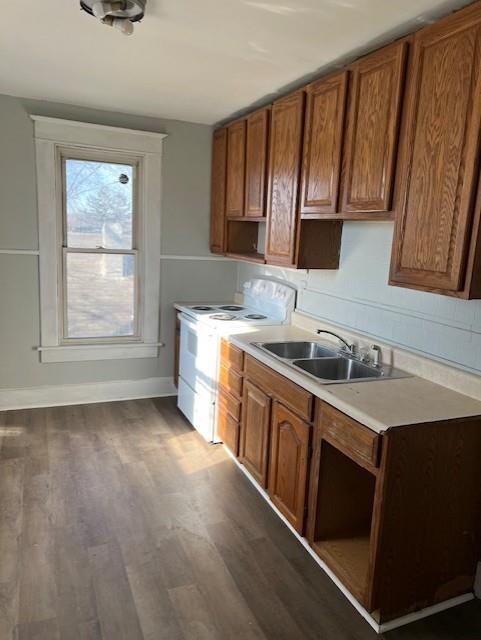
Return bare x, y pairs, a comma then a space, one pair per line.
326, 365
297, 350
337, 369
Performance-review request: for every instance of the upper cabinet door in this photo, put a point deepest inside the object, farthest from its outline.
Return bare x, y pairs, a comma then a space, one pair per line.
374, 108
440, 155
217, 218
236, 158
256, 163
284, 168
324, 127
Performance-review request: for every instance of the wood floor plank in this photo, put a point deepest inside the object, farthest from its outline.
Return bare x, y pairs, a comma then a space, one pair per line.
115, 604
193, 614
231, 613
157, 617
15, 427
76, 602
118, 521
11, 526
38, 594
270, 612
41, 630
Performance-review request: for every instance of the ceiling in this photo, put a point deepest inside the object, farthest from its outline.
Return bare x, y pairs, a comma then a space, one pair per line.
195, 60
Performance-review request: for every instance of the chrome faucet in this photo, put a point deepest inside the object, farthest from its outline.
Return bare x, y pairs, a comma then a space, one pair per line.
349, 347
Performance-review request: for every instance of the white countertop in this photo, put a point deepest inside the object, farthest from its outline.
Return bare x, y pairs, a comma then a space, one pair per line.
378, 404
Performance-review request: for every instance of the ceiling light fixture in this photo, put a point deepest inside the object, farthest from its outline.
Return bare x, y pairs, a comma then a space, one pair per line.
120, 14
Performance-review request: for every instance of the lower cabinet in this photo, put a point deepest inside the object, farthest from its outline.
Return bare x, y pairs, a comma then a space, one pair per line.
289, 464
230, 395
255, 432
227, 427
395, 516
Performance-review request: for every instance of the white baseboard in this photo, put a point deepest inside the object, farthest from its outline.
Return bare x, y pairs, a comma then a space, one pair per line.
85, 393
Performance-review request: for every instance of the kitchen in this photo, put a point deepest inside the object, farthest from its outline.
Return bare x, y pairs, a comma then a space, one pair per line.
273, 389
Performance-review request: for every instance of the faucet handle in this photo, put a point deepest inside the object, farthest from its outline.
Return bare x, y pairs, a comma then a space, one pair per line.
376, 357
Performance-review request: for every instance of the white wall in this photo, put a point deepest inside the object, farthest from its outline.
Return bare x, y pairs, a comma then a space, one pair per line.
357, 296
185, 231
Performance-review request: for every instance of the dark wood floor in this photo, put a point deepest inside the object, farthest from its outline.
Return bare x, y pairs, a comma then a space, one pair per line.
117, 521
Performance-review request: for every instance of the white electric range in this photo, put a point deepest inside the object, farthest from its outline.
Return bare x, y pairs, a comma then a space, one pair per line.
201, 327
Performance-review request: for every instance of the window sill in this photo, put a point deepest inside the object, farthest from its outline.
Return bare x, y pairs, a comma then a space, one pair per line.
77, 353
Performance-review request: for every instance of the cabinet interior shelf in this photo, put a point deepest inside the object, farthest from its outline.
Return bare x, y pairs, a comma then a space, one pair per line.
347, 556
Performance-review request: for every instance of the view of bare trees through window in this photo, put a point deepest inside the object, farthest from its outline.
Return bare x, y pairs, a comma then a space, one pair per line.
99, 284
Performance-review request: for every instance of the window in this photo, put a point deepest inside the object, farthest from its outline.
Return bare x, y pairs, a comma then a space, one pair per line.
99, 245
99, 230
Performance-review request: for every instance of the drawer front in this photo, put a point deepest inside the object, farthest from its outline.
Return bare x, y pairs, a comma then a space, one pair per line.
351, 436
230, 355
230, 404
230, 380
289, 393
228, 429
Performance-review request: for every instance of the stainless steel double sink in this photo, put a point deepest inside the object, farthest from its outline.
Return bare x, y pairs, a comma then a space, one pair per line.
327, 365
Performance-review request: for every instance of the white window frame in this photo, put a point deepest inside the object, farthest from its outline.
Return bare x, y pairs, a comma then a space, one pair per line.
55, 138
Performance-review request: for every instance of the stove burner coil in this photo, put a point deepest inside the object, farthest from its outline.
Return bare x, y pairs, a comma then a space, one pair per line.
231, 307
255, 316
202, 308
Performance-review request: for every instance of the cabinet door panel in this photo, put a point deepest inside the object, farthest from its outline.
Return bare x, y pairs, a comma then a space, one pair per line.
284, 168
217, 216
227, 428
440, 155
255, 432
323, 135
256, 163
236, 154
289, 460
374, 109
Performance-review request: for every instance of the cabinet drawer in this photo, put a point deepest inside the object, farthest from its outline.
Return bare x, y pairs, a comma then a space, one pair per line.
230, 404
228, 429
231, 355
230, 380
351, 436
289, 393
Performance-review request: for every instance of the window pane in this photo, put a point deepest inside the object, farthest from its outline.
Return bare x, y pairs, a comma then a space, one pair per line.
100, 295
98, 199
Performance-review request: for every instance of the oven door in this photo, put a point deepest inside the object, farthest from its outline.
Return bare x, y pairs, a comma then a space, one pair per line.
198, 354
199, 408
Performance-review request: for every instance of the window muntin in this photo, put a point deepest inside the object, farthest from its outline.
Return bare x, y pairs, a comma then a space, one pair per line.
100, 254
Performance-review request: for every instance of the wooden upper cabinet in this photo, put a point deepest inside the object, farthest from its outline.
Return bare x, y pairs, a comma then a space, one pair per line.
436, 244
289, 464
323, 135
236, 158
217, 217
256, 163
284, 168
255, 432
374, 107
